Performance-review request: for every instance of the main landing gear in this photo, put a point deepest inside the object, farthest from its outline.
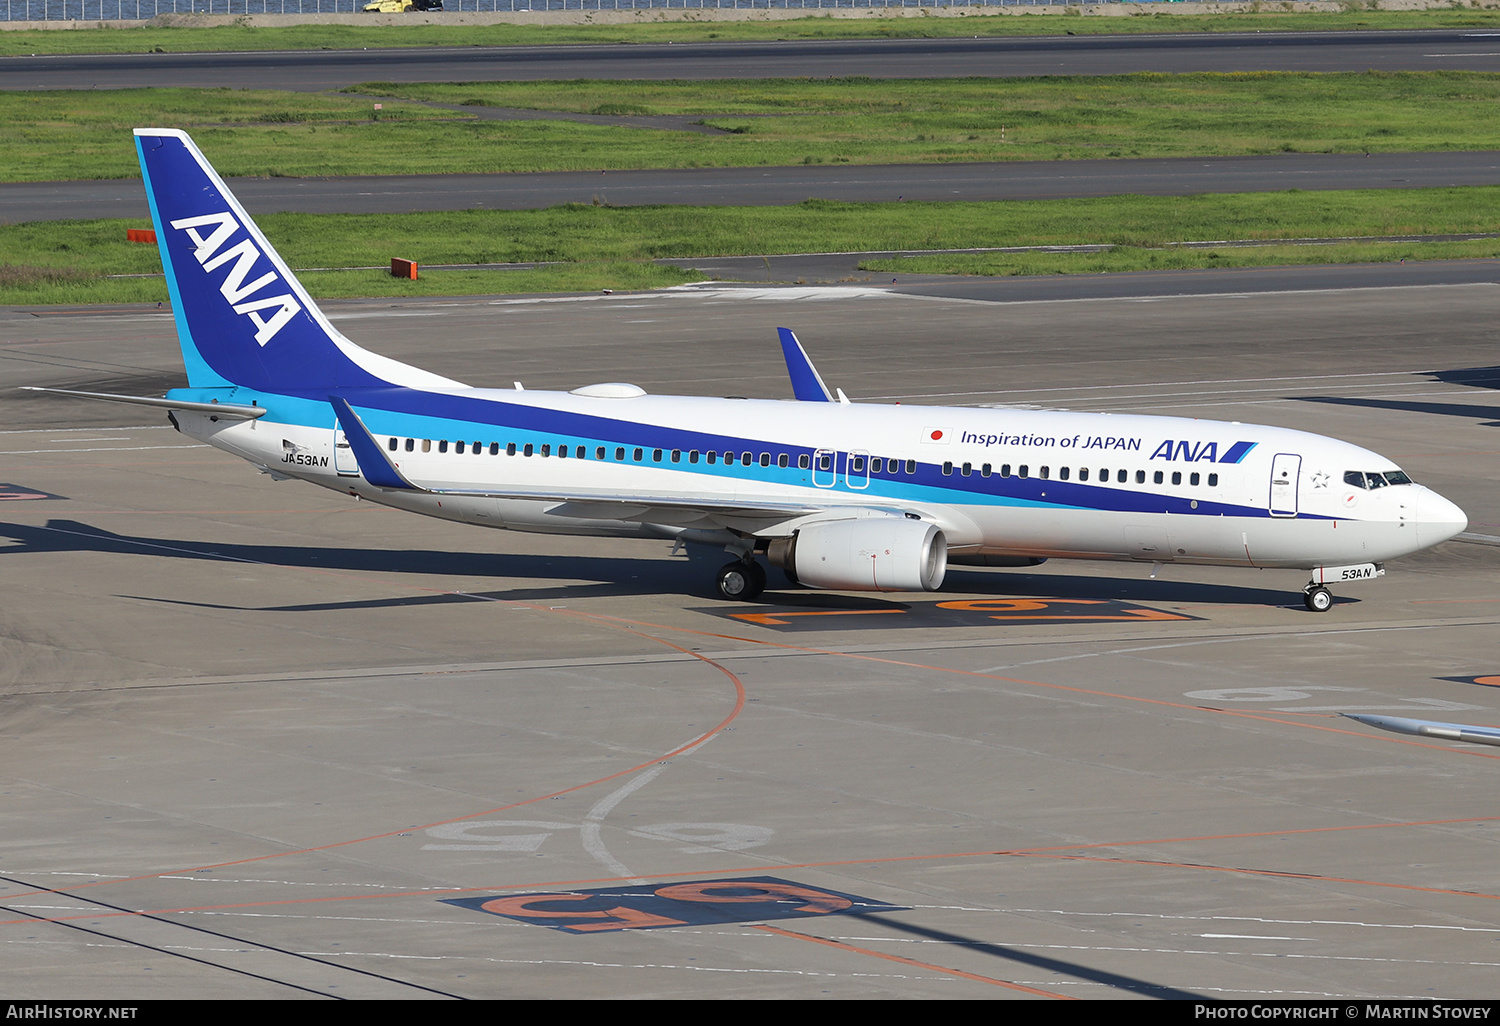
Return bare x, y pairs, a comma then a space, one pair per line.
742, 580
1317, 598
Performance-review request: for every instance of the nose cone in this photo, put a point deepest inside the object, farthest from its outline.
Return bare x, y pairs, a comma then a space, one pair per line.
1438, 519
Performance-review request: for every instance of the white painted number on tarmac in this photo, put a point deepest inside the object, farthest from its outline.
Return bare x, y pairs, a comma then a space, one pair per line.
495, 835
708, 837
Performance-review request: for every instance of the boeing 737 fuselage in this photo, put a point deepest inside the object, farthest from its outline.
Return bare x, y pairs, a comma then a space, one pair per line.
847, 496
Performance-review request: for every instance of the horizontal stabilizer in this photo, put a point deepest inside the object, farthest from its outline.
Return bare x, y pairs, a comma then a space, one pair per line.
807, 383
232, 411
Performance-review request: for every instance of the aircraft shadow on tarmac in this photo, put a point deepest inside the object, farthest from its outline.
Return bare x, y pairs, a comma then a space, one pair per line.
1108, 979
590, 576
1476, 377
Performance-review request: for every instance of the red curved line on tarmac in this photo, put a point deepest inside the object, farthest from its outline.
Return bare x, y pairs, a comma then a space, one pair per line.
1040, 684
635, 627
739, 706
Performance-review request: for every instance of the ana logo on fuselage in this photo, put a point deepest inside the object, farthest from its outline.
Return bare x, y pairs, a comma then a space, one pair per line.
1195, 452
234, 287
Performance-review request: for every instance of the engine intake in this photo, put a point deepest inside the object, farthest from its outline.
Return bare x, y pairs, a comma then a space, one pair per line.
868, 554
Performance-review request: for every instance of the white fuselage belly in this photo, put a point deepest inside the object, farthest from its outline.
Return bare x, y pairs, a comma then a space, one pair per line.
1217, 510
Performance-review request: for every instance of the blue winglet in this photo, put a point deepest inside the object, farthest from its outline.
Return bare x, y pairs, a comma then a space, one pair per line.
373, 464
807, 383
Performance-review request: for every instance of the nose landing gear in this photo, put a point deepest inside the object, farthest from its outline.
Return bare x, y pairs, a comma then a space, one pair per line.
1317, 598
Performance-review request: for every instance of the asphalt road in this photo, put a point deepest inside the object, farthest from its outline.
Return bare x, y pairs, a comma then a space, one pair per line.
890, 58
769, 186
358, 745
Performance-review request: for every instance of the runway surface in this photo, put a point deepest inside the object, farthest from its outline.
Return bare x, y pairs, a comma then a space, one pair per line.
260, 740
771, 186
1446, 49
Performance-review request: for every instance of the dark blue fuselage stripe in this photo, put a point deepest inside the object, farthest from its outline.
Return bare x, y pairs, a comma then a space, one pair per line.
522, 420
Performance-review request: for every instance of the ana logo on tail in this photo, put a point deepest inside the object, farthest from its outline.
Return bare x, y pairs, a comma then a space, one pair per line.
234, 287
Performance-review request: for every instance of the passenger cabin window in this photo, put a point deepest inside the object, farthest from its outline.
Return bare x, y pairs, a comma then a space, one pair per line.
1062, 473
1044, 472
877, 465
599, 452
1140, 477
1213, 480
510, 449
411, 443
1023, 471
528, 450
1122, 476
1156, 478
638, 455
1005, 470
443, 445
1083, 473
1177, 477
948, 469
803, 462
985, 470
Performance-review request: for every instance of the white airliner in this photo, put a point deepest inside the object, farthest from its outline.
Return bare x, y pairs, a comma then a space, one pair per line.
847, 496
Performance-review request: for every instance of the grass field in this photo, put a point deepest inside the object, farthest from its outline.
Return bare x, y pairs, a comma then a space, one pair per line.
75, 135
64, 261
1357, 16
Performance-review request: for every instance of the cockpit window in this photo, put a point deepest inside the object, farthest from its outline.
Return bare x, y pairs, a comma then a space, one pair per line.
1373, 479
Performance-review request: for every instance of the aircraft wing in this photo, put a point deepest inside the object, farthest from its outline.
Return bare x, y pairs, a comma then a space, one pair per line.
378, 469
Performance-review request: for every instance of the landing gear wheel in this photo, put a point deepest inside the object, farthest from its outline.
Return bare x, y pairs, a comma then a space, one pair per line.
741, 581
1318, 599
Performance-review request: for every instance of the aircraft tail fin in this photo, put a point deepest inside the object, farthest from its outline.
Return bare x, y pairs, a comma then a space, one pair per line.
242, 317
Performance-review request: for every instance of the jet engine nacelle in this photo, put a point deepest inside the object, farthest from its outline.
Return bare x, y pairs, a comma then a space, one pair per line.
867, 554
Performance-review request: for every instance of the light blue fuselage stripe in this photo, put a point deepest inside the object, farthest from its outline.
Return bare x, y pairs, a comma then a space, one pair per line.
928, 485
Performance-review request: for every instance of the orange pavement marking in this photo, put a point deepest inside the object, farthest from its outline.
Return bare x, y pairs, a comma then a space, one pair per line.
913, 962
